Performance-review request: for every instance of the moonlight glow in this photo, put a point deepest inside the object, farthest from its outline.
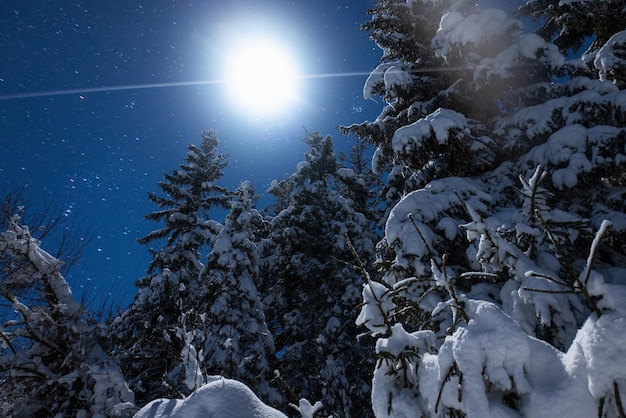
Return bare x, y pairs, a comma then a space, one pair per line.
262, 77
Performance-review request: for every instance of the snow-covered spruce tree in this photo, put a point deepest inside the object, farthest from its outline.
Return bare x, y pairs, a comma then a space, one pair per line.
51, 360
153, 332
504, 265
232, 331
311, 288
360, 184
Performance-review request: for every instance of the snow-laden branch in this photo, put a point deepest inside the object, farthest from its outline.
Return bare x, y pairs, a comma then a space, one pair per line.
18, 242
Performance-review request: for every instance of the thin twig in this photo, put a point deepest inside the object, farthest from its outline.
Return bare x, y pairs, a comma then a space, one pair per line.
368, 280
568, 267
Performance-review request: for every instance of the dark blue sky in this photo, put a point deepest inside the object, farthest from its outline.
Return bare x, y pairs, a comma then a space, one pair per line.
98, 154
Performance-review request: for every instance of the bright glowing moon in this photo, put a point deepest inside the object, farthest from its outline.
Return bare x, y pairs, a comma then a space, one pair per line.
262, 78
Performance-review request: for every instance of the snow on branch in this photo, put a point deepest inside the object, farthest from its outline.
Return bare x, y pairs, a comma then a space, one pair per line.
20, 244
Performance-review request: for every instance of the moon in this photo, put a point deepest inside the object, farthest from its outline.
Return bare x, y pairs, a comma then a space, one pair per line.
261, 77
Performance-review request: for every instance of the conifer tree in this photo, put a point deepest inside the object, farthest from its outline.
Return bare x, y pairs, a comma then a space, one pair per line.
232, 331
311, 287
502, 257
150, 334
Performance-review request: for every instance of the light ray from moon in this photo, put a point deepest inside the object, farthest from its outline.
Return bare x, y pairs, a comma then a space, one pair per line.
104, 89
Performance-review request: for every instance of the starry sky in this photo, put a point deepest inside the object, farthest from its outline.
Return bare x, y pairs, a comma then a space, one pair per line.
98, 99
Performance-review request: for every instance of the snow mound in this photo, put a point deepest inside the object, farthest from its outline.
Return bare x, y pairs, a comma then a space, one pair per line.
220, 398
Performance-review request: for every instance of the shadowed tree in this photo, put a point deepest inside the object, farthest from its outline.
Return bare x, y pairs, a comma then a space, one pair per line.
147, 334
311, 288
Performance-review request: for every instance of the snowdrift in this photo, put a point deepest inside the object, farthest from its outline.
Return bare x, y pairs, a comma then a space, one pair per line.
220, 398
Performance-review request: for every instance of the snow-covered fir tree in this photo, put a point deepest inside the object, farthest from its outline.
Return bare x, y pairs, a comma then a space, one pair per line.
358, 183
503, 258
232, 331
311, 288
151, 336
51, 359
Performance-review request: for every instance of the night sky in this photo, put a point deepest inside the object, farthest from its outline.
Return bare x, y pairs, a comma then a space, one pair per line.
98, 99
98, 153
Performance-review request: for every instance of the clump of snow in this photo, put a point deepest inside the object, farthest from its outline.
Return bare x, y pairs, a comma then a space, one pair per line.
346, 173
567, 150
528, 47
387, 79
423, 206
396, 79
220, 398
377, 307
597, 353
396, 373
305, 408
375, 81
539, 120
456, 31
610, 59
376, 160
440, 124
191, 359
303, 165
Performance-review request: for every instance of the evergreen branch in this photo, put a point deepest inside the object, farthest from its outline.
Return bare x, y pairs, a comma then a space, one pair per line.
279, 377
550, 278
568, 267
430, 250
8, 342
459, 305
483, 274
536, 179
566, 292
368, 280
452, 371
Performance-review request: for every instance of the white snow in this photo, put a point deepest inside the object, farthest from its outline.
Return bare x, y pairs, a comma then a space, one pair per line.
456, 31
396, 79
567, 150
375, 80
610, 58
220, 398
530, 47
376, 160
377, 307
306, 409
492, 356
346, 173
441, 123
425, 205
